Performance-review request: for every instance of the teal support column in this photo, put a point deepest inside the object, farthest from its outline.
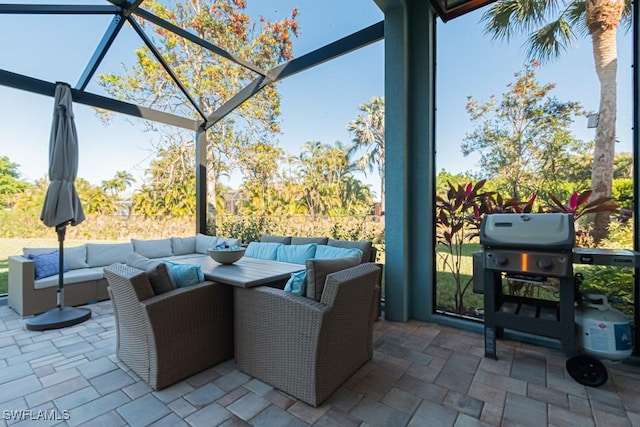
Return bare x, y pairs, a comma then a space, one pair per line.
636, 171
201, 180
410, 158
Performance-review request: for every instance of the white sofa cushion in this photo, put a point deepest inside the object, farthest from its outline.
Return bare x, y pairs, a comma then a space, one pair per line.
101, 254
36, 251
153, 248
69, 277
204, 242
74, 257
183, 245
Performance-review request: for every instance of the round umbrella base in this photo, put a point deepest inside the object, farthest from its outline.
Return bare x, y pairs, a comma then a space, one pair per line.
58, 318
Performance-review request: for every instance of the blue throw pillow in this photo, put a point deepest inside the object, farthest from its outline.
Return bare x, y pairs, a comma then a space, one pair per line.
296, 254
185, 274
262, 250
330, 252
46, 265
297, 283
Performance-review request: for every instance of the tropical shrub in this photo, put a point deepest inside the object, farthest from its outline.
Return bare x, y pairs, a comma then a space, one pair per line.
249, 228
622, 191
614, 282
246, 228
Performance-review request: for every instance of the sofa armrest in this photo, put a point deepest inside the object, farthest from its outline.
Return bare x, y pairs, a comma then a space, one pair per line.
21, 269
21, 282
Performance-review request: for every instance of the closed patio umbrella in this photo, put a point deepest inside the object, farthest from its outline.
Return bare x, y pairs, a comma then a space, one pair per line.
62, 204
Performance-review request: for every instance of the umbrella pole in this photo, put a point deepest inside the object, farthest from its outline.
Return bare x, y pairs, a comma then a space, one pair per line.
62, 316
62, 231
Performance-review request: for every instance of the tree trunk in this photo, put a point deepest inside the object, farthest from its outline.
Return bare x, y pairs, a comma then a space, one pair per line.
603, 17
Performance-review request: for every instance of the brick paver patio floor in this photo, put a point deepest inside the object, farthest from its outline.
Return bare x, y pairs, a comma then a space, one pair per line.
421, 375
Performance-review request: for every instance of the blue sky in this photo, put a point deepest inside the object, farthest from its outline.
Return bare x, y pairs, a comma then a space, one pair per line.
316, 105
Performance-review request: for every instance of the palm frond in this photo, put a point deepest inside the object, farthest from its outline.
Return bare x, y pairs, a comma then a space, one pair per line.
626, 22
576, 14
507, 18
550, 41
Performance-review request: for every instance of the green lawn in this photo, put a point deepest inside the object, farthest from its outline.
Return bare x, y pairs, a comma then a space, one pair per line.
446, 287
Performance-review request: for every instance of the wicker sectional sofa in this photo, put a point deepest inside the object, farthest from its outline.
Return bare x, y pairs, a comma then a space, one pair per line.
84, 282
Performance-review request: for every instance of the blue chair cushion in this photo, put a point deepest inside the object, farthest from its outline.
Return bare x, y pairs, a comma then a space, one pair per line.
262, 250
46, 265
296, 254
185, 274
297, 283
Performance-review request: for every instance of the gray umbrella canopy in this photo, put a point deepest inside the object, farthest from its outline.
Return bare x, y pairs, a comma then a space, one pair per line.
62, 204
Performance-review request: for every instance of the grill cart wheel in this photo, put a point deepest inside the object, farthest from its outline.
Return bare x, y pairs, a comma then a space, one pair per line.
587, 370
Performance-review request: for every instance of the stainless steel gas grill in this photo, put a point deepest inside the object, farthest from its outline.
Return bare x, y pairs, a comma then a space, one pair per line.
528, 248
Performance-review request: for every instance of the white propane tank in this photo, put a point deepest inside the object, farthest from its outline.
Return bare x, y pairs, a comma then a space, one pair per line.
603, 331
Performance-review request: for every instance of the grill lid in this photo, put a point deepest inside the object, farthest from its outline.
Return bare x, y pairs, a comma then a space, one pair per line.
552, 231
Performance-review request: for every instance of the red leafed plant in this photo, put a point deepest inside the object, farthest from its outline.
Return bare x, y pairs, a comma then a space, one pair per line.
496, 204
579, 204
458, 217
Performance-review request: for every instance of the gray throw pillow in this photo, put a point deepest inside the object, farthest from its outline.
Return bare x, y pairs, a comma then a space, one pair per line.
318, 269
161, 280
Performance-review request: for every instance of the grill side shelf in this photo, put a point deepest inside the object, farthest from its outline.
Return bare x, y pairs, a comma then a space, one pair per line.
612, 257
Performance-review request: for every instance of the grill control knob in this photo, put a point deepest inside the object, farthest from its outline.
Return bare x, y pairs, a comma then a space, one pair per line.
500, 260
544, 264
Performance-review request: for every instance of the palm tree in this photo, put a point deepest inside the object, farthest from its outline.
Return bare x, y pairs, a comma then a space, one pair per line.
551, 27
368, 134
121, 181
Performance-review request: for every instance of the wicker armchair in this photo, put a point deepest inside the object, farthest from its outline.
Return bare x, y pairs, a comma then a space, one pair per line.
304, 347
171, 336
